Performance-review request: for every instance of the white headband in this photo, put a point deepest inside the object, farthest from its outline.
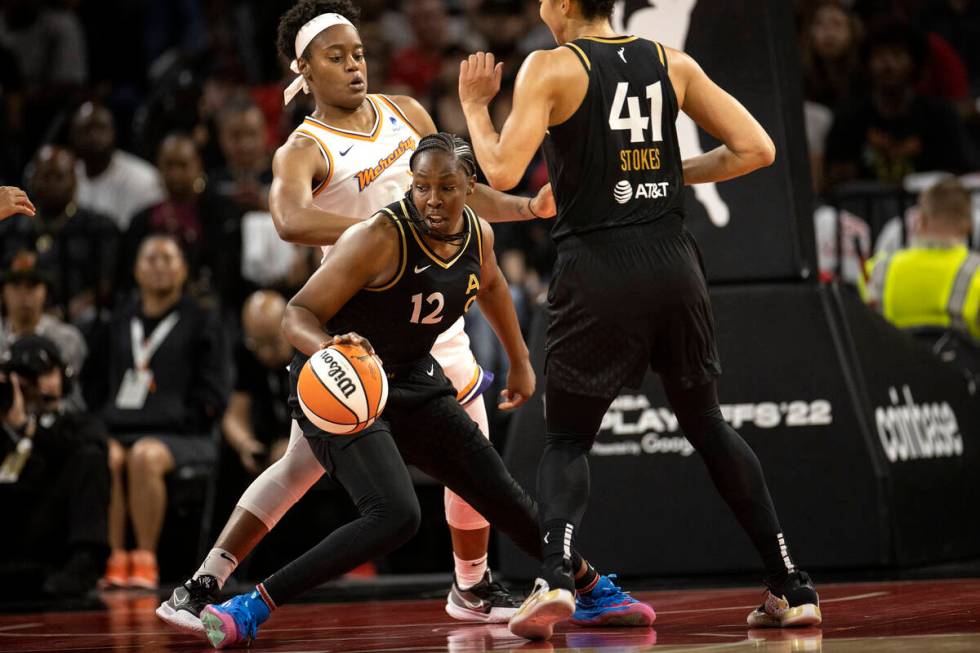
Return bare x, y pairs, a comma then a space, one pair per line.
307, 33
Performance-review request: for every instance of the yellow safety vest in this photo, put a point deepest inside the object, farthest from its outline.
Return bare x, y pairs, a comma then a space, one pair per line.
927, 286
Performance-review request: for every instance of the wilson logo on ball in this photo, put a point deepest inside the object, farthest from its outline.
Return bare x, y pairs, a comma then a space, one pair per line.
342, 389
337, 373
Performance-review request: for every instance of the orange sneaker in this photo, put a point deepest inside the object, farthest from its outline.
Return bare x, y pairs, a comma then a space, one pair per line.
116, 570
144, 572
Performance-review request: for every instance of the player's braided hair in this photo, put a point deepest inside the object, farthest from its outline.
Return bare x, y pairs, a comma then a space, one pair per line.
463, 154
450, 143
303, 12
592, 9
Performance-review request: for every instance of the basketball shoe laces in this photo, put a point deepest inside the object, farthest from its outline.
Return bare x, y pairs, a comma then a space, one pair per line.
497, 595
606, 595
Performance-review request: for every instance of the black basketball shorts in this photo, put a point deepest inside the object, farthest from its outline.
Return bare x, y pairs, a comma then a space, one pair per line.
422, 415
626, 299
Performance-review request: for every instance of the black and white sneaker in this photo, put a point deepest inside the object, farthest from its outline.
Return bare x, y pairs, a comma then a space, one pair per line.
485, 602
790, 601
183, 609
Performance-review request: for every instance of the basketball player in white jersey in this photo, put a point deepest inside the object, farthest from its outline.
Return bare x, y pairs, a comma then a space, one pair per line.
349, 159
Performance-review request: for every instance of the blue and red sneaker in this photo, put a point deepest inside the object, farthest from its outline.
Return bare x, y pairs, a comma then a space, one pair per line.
608, 605
236, 621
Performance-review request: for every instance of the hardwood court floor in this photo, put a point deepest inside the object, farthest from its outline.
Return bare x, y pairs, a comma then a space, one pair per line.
895, 617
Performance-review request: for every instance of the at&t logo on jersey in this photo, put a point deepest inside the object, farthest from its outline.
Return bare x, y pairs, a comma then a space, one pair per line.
623, 192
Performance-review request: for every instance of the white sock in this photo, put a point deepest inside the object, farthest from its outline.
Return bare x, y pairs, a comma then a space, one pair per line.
469, 572
218, 563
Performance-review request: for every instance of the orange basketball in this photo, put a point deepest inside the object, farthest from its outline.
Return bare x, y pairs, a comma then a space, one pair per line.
342, 389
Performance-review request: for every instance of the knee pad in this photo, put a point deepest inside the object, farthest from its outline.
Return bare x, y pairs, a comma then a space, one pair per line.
460, 515
275, 490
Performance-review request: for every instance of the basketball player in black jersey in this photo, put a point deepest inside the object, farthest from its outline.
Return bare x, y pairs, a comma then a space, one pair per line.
629, 290
390, 284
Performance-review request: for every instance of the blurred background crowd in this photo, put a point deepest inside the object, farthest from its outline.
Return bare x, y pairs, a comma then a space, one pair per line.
143, 133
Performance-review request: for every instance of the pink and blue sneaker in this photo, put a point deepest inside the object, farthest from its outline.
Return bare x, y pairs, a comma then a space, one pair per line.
236, 621
608, 605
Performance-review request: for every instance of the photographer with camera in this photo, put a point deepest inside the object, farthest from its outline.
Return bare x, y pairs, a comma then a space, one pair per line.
54, 478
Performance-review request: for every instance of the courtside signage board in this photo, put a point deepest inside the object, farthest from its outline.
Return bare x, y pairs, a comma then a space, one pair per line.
926, 428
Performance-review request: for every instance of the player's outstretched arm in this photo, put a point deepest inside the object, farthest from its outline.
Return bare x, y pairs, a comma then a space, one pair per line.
498, 307
366, 255
745, 144
493, 205
505, 156
295, 166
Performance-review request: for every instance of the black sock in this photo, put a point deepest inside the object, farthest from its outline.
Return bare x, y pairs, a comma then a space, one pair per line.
587, 581
777, 561
557, 554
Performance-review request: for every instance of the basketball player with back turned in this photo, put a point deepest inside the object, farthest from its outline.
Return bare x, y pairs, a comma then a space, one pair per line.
628, 290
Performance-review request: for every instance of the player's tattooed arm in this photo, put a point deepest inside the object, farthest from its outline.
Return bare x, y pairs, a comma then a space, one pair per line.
498, 307
366, 255
493, 205
745, 144
296, 168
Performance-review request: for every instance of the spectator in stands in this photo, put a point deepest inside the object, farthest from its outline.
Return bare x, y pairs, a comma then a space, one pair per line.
246, 174
25, 293
256, 424
160, 386
54, 481
933, 284
79, 246
831, 53
48, 44
893, 131
206, 225
830, 39
110, 181
958, 22
417, 66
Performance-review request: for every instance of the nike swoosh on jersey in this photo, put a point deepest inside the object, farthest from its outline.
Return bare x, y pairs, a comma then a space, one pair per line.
432, 369
419, 270
344, 153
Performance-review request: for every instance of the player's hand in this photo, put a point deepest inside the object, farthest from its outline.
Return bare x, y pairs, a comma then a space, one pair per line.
14, 200
543, 204
351, 339
248, 451
479, 79
520, 385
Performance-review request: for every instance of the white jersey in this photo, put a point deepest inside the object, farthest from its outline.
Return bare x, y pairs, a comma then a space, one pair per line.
366, 171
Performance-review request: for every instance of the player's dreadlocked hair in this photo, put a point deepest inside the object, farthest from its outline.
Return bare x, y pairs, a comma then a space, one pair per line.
463, 154
303, 12
592, 9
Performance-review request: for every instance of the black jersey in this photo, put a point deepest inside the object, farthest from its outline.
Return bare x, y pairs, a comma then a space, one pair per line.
616, 161
403, 317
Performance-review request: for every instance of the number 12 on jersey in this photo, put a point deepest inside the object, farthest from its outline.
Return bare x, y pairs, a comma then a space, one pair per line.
635, 121
436, 299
